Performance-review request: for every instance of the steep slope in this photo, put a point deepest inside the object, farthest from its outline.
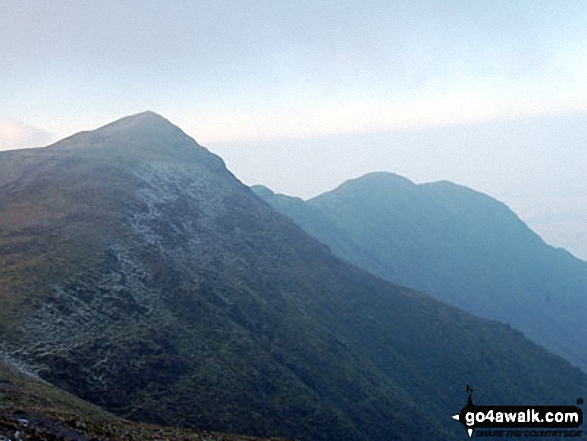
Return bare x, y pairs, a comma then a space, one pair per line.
139, 274
41, 412
462, 246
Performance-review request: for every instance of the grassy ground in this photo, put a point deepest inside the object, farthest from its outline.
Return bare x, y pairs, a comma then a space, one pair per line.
33, 410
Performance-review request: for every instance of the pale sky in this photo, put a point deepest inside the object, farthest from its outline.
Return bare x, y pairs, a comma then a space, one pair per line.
302, 95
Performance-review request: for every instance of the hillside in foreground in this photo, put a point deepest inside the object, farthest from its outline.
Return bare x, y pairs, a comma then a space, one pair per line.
40, 411
140, 275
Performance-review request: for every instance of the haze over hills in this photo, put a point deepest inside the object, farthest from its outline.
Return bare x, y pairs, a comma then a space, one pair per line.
138, 273
461, 246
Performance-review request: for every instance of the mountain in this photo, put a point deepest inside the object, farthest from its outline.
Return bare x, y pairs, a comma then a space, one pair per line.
463, 247
140, 275
42, 412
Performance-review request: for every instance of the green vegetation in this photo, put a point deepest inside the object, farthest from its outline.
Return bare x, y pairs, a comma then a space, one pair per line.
32, 406
167, 292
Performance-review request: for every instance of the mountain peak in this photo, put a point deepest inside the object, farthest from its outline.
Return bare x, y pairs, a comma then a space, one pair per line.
382, 181
142, 133
148, 116
378, 182
134, 266
147, 120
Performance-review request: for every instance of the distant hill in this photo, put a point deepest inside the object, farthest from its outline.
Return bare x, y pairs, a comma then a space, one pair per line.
139, 274
461, 246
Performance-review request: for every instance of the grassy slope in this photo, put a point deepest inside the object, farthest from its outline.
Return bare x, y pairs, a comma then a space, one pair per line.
161, 288
52, 414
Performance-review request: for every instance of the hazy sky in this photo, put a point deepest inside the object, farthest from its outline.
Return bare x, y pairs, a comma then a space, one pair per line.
302, 95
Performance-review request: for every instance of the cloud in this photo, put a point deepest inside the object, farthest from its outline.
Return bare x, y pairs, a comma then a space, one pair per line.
15, 134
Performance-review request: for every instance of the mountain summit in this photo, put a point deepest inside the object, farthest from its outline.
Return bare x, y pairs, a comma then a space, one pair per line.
144, 133
138, 273
462, 246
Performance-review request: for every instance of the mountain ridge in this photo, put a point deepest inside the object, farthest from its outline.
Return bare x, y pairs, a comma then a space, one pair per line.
145, 278
458, 244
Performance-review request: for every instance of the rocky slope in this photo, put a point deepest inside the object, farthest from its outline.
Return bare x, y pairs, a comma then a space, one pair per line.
142, 276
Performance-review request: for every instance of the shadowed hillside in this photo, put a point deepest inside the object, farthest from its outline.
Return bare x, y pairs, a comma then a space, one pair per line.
140, 275
459, 245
